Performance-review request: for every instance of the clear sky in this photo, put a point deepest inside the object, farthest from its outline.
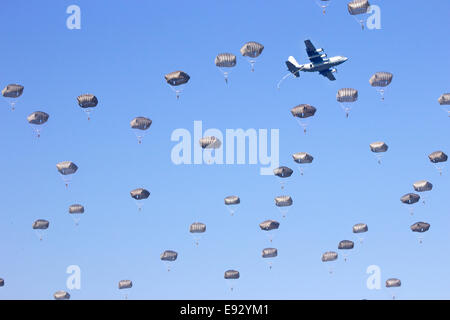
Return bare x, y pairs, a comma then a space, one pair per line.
121, 54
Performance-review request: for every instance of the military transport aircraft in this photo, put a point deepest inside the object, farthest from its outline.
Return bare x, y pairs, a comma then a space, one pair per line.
319, 62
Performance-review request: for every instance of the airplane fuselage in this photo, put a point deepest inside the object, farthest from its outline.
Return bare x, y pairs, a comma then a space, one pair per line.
329, 63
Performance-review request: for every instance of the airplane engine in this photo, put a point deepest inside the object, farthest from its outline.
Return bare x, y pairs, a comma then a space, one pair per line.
319, 50
334, 70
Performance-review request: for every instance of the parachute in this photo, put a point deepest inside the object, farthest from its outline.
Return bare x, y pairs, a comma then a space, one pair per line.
197, 228
410, 198
301, 112
269, 253
61, 295
210, 143
177, 79
139, 194
420, 227
37, 119
283, 203
168, 256
40, 225
393, 283
2, 282
225, 60
12, 91
444, 100
125, 284
75, 210
87, 102
437, 157
378, 148
359, 7
346, 96
302, 158
269, 225
346, 245
66, 169
323, 4
232, 275
381, 80
329, 256
252, 50
140, 125
360, 228
282, 172
232, 201
422, 186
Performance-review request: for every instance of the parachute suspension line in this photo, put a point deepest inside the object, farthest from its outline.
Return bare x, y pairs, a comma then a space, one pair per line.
13, 105
379, 157
252, 63
177, 91
360, 21
381, 91
438, 168
67, 180
302, 124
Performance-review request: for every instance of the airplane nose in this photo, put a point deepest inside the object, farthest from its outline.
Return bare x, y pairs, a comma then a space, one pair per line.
345, 58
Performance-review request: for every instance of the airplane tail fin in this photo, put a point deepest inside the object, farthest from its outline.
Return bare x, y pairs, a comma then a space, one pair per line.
293, 66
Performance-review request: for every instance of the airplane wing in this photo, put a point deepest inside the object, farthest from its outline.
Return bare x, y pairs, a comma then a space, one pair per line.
313, 55
328, 74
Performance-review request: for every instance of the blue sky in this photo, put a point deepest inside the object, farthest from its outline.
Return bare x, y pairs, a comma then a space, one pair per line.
121, 55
